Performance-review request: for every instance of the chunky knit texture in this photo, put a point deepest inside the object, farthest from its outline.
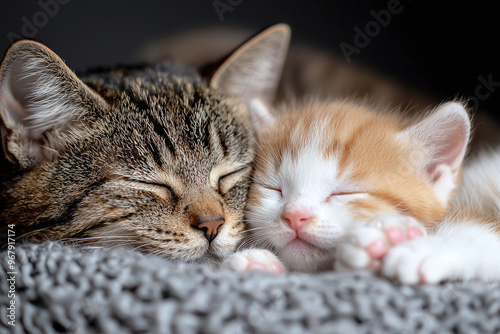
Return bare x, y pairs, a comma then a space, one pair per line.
69, 290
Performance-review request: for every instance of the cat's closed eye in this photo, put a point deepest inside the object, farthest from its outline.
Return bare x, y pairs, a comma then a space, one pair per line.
229, 180
161, 188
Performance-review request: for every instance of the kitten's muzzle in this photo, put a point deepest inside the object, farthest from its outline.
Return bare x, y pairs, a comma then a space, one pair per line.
210, 227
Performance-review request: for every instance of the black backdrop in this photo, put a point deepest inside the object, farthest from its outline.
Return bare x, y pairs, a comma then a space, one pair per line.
443, 50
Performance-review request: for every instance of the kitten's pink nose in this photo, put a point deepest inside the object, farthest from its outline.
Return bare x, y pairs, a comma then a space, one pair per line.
297, 219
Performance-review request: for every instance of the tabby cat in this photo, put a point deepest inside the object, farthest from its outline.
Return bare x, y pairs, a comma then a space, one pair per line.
153, 157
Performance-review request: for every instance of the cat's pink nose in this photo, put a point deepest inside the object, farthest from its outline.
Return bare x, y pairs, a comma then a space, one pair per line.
297, 219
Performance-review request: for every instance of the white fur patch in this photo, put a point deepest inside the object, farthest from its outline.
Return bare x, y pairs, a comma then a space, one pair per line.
306, 184
459, 250
480, 186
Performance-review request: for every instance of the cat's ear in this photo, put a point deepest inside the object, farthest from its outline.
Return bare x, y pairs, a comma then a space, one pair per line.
39, 94
253, 72
441, 139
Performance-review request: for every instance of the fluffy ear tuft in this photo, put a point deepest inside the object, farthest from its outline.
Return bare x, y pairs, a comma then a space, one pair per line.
38, 94
442, 139
253, 72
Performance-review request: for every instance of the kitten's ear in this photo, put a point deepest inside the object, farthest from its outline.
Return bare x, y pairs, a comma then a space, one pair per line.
38, 94
253, 72
442, 138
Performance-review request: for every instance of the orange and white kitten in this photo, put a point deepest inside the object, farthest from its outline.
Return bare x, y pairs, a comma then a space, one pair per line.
347, 184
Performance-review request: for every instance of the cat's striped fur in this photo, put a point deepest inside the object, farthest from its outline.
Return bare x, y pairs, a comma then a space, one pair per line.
151, 157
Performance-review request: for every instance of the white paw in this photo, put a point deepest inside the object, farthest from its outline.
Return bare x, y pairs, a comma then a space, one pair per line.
427, 260
366, 245
254, 259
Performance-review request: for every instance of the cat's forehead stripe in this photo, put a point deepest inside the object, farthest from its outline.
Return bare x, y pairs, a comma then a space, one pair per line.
160, 131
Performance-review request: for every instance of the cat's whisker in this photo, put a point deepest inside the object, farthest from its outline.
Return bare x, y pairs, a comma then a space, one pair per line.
241, 246
110, 240
95, 237
30, 233
155, 252
139, 247
254, 229
251, 240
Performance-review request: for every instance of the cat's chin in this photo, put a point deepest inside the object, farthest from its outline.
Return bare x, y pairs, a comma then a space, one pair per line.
302, 246
300, 255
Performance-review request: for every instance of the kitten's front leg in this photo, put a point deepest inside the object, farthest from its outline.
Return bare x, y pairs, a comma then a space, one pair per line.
366, 245
398, 247
254, 259
459, 250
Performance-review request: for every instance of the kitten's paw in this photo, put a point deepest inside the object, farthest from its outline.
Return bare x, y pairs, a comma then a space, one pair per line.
428, 260
365, 246
254, 259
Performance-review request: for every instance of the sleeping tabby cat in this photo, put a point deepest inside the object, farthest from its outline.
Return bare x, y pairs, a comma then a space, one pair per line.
152, 157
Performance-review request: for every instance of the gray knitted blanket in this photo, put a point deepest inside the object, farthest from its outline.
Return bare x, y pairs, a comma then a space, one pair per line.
59, 289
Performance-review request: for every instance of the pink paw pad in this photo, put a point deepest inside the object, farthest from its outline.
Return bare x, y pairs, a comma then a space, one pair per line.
273, 267
394, 235
256, 266
414, 232
377, 249
421, 279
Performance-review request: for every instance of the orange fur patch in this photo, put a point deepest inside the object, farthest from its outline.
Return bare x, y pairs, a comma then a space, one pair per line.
365, 141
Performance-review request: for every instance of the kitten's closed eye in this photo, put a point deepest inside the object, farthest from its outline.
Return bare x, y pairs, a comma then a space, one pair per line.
345, 195
271, 190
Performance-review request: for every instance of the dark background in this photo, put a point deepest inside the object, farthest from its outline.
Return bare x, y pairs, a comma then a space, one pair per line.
445, 51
